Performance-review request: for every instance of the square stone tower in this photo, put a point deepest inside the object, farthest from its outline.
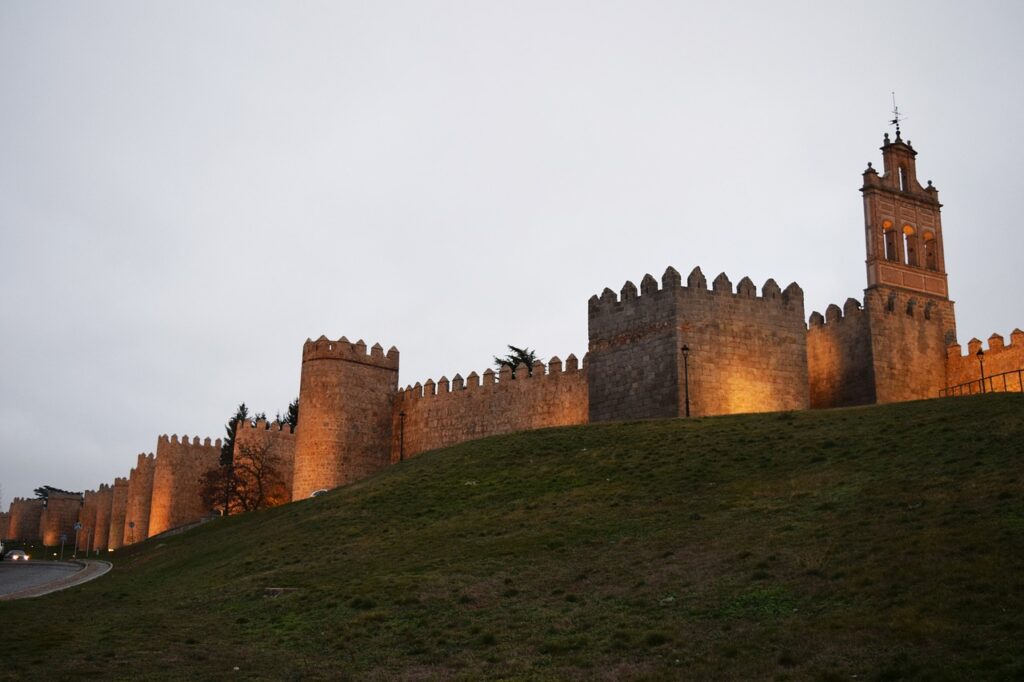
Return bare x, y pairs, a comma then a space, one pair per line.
744, 352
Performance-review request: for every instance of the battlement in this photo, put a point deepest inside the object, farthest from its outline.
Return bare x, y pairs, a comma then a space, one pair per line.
173, 440
343, 349
436, 414
852, 308
996, 343
263, 425
696, 285
553, 371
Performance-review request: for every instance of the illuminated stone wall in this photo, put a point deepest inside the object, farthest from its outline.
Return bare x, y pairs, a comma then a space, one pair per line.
279, 441
908, 344
891, 350
118, 508
180, 464
998, 358
87, 517
839, 367
24, 516
747, 353
345, 397
139, 501
60, 513
101, 522
446, 413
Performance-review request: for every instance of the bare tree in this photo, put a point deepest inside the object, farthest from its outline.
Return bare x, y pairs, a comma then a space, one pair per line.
254, 481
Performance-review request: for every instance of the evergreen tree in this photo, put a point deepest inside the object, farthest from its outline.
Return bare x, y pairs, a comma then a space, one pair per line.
516, 357
227, 453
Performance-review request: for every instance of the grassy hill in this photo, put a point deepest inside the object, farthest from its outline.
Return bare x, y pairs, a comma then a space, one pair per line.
877, 543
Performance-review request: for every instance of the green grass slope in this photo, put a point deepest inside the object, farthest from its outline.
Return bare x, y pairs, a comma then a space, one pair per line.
874, 543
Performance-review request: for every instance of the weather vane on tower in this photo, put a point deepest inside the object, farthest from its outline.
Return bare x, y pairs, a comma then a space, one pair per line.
896, 116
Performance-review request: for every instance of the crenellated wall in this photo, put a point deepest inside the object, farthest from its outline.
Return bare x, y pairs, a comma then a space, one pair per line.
746, 353
346, 394
118, 508
139, 501
176, 481
908, 344
87, 517
60, 512
25, 515
890, 350
998, 358
839, 367
277, 438
446, 413
101, 527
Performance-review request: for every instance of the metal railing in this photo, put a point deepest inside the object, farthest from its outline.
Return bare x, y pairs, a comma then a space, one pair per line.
1004, 382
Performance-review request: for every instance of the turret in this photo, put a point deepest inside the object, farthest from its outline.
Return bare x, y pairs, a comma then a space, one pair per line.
346, 395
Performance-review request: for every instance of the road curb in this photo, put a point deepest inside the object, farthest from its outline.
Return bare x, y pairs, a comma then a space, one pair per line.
90, 569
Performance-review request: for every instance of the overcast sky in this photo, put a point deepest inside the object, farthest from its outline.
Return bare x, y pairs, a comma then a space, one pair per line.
189, 190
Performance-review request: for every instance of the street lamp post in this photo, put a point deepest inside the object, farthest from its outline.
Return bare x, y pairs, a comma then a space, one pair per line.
401, 436
981, 362
686, 377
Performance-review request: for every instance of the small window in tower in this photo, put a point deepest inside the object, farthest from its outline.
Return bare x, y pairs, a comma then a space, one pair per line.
889, 241
931, 251
910, 241
903, 180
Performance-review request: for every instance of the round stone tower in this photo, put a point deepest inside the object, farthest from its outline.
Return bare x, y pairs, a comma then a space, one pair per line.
345, 397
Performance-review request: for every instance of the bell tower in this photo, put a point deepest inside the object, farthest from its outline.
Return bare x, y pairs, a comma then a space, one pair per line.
903, 225
903, 231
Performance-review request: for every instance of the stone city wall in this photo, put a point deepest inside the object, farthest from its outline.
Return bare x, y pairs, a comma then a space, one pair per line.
839, 367
998, 358
446, 413
908, 344
139, 501
279, 441
346, 396
746, 353
180, 464
87, 517
5, 522
25, 515
118, 508
101, 522
60, 512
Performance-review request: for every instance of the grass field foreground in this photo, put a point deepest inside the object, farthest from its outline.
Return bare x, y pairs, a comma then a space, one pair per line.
878, 543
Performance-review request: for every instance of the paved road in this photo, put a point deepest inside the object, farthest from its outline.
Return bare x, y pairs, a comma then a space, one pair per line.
34, 578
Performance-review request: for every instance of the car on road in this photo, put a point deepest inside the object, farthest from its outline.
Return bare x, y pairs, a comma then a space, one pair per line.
16, 555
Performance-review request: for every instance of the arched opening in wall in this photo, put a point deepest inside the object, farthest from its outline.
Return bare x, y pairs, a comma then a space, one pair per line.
910, 244
889, 241
903, 180
931, 251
